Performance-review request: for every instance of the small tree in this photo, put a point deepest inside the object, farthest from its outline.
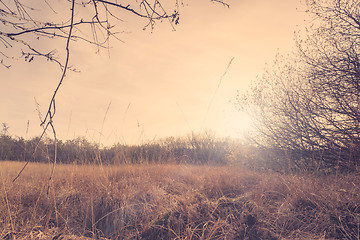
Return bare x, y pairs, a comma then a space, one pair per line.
5, 142
5, 129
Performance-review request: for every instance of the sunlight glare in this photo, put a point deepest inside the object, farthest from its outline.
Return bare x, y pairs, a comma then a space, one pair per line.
236, 125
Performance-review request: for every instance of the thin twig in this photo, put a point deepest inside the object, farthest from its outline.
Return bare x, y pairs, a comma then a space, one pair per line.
48, 120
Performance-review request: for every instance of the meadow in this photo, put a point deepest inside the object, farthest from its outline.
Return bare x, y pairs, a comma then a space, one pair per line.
175, 201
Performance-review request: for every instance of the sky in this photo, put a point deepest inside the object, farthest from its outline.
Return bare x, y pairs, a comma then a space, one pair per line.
160, 83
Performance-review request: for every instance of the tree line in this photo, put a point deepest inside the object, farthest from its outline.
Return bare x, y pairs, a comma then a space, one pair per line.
194, 149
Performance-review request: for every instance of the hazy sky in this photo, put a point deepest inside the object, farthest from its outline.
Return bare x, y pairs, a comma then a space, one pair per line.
158, 84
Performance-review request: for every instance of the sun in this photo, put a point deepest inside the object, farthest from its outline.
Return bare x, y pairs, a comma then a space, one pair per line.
235, 124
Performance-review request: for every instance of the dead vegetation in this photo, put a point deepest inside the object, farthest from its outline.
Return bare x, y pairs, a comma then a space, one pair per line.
175, 202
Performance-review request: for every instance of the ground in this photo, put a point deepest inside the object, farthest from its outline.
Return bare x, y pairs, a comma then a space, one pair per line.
175, 202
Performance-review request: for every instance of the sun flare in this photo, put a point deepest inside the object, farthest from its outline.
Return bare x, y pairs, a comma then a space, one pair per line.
235, 124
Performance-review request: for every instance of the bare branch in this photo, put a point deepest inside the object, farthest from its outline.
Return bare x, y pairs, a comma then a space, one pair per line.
48, 120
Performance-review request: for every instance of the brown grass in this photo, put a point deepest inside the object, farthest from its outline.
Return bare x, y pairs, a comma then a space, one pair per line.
175, 202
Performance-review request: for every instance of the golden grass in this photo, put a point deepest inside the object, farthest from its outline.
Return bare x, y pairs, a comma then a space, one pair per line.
175, 202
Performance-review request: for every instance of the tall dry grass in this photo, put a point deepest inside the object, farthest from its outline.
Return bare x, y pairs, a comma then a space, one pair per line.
175, 202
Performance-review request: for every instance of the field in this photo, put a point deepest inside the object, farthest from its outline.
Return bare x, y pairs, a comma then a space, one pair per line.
174, 202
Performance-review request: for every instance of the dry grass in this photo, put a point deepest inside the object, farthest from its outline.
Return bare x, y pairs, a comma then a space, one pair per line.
175, 202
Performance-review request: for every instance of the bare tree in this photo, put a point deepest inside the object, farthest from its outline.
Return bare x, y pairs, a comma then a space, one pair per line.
309, 104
